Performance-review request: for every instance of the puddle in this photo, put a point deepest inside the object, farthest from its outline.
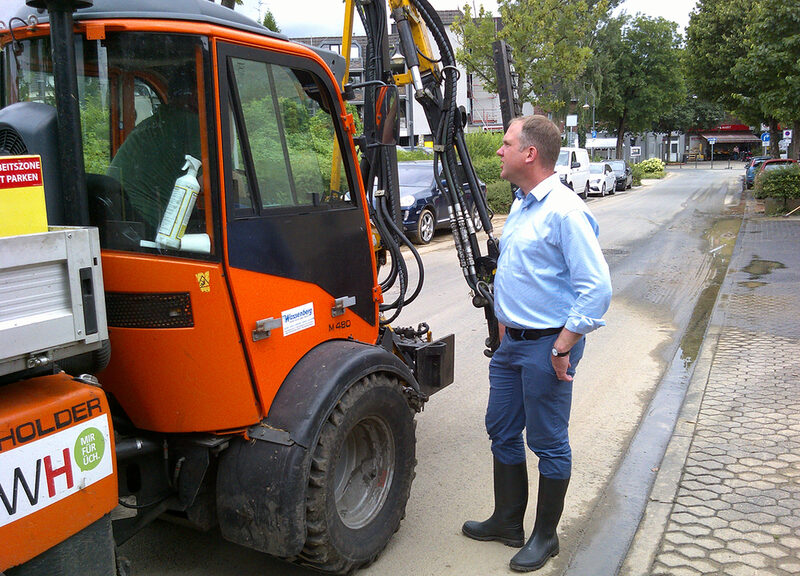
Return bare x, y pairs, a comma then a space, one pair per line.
721, 238
758, 268
752, 284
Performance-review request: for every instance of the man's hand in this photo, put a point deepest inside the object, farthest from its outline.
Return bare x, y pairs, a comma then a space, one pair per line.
565, 341
560, 365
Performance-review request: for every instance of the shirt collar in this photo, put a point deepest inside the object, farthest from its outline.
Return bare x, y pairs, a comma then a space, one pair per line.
539, 191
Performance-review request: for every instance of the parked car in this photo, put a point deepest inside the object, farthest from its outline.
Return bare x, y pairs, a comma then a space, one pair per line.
423, 203
752, 168
773, 164
601, 178
623, 174
572, 167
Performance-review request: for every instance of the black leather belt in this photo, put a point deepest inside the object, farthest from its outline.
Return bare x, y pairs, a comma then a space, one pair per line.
531, 333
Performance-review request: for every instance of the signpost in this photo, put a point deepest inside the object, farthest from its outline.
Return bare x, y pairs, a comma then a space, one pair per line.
712, 141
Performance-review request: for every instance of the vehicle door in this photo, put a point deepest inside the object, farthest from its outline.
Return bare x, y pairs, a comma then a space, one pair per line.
296, 229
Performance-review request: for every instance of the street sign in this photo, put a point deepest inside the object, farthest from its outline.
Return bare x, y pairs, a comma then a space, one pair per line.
787, 134
765, 137
572, 120
594, 133
712, 141
636, 150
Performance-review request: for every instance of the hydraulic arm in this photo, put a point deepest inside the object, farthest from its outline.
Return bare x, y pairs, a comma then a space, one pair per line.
430, 60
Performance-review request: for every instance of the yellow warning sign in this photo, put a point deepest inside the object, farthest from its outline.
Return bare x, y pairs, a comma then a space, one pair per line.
204, 281
22, 204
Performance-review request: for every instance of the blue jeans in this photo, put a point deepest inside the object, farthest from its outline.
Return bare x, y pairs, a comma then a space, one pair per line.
524, 392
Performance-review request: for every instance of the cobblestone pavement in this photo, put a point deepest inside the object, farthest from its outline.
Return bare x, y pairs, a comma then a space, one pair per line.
737, 507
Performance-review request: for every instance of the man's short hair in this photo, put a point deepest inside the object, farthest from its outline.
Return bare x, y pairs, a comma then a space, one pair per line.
538, 131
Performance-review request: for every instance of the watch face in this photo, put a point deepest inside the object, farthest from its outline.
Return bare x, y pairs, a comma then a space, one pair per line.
555, 352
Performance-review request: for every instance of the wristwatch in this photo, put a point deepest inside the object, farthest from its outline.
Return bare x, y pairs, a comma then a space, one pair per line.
559, 354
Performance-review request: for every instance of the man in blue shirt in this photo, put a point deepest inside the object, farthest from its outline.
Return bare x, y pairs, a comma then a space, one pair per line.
551, 288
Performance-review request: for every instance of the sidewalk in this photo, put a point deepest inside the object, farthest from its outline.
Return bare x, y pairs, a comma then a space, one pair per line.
727, 496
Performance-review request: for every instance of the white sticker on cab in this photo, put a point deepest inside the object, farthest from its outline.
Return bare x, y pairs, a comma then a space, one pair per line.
298, 318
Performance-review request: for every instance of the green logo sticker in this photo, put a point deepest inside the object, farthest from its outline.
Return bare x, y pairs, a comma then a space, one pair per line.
89, 449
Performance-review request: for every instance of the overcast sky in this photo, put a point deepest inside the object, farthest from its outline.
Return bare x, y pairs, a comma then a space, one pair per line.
325, 17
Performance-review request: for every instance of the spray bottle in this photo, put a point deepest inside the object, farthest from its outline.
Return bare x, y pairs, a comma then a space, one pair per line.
180, 206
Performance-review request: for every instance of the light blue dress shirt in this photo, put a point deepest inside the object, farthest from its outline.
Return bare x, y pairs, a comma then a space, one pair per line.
551, 271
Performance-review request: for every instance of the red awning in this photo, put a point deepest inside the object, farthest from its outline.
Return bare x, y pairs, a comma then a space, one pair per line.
731, 138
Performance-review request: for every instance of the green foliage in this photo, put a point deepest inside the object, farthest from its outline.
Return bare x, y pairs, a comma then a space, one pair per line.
771, 65
483, 144
636, 176
482, 148
499, 196
691, 114
715, 41
651, 165
269, 21
487, 168
642, 76
550, 40
783, 183
652, 169
94, 125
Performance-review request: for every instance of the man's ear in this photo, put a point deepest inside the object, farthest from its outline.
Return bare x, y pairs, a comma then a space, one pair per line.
531, 155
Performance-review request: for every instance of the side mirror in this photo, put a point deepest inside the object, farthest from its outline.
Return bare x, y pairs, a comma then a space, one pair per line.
575, 164
386, 115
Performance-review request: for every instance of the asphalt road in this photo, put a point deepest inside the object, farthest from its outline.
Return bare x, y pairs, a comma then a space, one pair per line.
662, 241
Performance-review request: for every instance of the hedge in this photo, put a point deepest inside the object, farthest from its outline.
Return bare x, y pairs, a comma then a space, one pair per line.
783, 183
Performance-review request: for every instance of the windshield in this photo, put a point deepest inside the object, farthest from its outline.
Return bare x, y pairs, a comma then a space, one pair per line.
415, 175
775, 165
140, 117
596, 168
617, 165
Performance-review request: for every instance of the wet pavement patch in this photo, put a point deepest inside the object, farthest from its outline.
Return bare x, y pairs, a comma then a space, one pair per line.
721, 237
758, 268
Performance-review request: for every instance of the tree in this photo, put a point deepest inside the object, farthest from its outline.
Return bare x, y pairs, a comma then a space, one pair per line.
642, 77
771, 66
691, 114
550, 40
716, 45
269, 21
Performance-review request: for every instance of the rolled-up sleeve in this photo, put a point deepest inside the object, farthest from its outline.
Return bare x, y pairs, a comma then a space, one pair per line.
588, 270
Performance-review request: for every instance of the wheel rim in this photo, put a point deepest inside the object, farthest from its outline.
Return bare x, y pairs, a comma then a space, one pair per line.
364, 472
476, 220
426, 226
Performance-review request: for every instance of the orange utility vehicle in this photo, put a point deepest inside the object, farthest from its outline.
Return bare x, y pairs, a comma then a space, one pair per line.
254, 382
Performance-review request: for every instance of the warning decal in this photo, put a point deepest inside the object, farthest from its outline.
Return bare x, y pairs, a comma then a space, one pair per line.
20, 172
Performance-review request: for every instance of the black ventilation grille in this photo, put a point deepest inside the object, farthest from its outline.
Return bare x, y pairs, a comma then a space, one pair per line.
172, 310
11, 143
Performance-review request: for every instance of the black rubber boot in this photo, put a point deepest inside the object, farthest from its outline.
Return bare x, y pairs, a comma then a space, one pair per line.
543, 543
510, 501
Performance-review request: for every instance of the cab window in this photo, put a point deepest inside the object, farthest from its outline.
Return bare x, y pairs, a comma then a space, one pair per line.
281, 121
140, 118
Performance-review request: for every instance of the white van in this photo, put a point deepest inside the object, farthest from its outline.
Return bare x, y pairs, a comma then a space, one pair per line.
572, 167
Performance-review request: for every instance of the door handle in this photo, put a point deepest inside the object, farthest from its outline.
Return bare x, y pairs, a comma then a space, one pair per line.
340, 304
265, 327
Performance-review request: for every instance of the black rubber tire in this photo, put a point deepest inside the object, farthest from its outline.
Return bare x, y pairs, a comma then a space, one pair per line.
603, 190
586, 191
360, 478
426, 227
